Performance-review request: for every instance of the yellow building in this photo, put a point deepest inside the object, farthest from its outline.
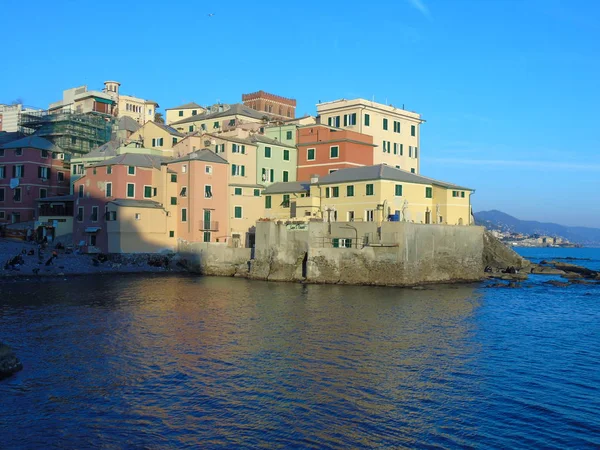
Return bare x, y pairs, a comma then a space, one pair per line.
219, 118
395, 130
157, 136
138, 109
183, 112
372, 194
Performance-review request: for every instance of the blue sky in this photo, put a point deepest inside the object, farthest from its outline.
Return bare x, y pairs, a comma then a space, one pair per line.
509, 88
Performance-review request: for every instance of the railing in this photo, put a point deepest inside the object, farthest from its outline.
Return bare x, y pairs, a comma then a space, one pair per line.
209, 225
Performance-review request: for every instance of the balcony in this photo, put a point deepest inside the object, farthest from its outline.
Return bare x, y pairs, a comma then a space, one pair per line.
209, 226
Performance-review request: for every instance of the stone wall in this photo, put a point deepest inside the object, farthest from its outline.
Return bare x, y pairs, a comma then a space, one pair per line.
210, 258
397, 253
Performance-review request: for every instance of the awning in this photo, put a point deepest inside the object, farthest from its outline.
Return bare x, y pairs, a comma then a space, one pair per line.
103, 100
92, 229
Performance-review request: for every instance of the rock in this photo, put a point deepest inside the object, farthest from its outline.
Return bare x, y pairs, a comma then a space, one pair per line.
576, 269
585, 282
571, 275
514, 276
9, 363
557, 283
543, 270
498, 255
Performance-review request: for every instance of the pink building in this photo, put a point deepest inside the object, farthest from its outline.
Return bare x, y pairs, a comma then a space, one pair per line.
30, 168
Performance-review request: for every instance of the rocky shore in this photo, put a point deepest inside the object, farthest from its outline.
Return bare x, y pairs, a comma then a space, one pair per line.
19, 259
9, 363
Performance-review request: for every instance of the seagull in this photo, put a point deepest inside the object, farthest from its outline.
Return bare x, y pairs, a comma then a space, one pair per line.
210, 15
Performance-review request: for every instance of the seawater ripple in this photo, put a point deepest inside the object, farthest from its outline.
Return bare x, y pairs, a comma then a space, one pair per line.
185, 362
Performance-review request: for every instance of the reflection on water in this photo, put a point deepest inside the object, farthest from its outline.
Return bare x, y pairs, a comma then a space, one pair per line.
182, 361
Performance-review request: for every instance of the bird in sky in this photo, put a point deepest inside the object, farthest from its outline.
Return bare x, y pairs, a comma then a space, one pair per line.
210, 15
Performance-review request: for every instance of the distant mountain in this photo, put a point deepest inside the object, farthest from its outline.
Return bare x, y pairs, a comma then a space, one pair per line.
497, 220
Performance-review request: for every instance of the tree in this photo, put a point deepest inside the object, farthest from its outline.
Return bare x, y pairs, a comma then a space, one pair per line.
158, 118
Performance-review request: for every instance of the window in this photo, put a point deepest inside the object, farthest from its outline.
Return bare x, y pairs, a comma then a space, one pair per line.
334, 152
94, 171
108, 170
2, 215
183, 192
286, 201
208, 170
335, 191
367, 120
257, 192
184, 168
171, 234
369, 189
238, 191
341, 243
80, 214
173, 178
206, 236
350, 191
398, 192
59, 175
416, 156
191, 128
138, 216
350, 216
238, 171
180, 113
385, 124
286, 155
109, 189
410, 151
147, 191
131, 170
43, 193
2, 172
369, 215
94, 214
130, 190
401, 149
455, 194
349, 119
267, 152
462, 194
428, 192
288, 135
268, 174
220, 148
44, 153
310, 154
2, 195
267, 202
216, 125
413, 130
173, 200
174, 141
184, 214
412, 170
1, 152
194, 112
81, 190
17, 194
208, 191
327, 192
286, 176
396, 127
334, 121
18, 152
111, 216
43, 172
203, 126
237, 212
18, 171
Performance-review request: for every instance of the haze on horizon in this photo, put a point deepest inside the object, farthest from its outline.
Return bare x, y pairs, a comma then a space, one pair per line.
509, 89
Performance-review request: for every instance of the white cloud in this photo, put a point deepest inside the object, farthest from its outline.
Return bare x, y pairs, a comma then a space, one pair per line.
517, 163
421, 7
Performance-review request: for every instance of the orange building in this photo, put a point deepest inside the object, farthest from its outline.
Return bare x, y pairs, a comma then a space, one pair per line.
323, 149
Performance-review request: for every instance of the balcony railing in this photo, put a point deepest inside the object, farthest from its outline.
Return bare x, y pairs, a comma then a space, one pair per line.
209, 225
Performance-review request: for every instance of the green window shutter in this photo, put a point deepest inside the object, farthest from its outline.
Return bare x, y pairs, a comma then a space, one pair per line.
311, 154
257, 192
350, 191
412, 170
180, 113
286, 155
171, 234
272, 176
173, 178
184, 215
345, 120
238, 212
206, 236
401, 149
131, 170
413, 130
370, 190
130, 190
367, 120
147, 191
462, 194
326, 192
334, 152
174, 140
336, 191
385, 124
428, 192
288, 135
267, 201
399, 190
335, 242
109, 190
191, 128
238, 191
416, 155
243, 171
243, 149
173, 200
233, 169
353, 116
348, 243
329, 121
285, 176
267, 152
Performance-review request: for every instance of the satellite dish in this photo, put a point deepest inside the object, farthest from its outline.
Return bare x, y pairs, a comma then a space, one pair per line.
14, 182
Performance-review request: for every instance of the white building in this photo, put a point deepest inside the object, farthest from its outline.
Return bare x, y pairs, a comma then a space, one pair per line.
9, 116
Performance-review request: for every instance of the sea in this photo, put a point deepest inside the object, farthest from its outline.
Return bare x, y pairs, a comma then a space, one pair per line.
154, 362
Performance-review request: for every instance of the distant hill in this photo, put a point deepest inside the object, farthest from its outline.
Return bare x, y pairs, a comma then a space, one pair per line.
497, 220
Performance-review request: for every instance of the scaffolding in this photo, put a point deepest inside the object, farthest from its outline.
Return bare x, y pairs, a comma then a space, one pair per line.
75, 133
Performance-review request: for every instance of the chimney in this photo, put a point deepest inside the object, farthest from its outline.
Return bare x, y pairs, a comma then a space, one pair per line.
314, 179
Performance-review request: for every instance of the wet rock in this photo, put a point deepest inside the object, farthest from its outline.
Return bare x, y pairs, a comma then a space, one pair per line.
9, 363
585, 282
571, 275
544, 270
557, 283
576, 269
513, 276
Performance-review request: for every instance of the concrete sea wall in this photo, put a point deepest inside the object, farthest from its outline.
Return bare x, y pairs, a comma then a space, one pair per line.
209, 258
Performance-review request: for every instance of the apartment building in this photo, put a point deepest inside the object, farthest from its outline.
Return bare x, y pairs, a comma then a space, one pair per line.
271, 104
30, 168
158, 136
139, 109
323, 150
183, 112
220, 118
395, 131
372, 194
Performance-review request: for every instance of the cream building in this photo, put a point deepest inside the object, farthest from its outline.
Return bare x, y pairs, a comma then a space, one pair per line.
157, 136
139, 109
183, 112
395, 131
219, 118
371, 194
